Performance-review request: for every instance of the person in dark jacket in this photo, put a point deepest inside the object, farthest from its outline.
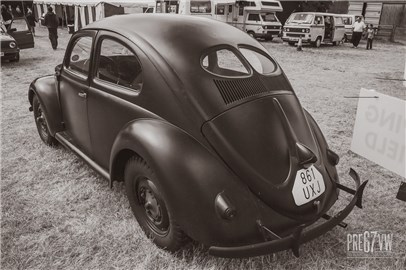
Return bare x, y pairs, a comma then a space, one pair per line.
31, 21
6, 16
51, 22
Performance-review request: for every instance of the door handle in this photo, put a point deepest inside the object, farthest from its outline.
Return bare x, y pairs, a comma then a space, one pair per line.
82, 94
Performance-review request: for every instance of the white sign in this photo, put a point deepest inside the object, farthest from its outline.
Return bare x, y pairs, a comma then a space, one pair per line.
379, 131
309, 185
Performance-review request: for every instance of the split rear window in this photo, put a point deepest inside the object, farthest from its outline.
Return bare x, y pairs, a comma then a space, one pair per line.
230, 63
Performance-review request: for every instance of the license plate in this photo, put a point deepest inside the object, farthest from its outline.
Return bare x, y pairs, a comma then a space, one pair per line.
309, 185
2, 53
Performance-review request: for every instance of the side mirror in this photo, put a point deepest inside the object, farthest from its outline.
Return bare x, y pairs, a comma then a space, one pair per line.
58, 70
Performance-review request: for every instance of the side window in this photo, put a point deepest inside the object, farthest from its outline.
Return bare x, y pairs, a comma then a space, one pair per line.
118, 65
79, 59
253, 17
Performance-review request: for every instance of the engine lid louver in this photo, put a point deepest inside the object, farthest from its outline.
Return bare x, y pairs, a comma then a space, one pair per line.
237, 89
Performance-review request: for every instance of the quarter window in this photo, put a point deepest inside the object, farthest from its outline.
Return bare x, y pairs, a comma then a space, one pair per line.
224, 62
118, 65
79, 59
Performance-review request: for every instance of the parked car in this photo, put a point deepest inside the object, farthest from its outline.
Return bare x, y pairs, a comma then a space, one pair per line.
314, 28
204, 129
17, 37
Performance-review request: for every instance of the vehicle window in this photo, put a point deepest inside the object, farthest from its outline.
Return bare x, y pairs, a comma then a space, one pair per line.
19, 25
259, 62
347, 20
224, 62
200, 6
253, 17
318, 20
241, 10
118, 64
269, 17
300, 18
80, 55
220, 10
338, 21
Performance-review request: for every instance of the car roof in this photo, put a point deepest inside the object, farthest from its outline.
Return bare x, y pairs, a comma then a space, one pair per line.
319, 13
178, 37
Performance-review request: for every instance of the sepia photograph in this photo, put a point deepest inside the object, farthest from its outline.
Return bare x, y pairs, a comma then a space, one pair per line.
203, 134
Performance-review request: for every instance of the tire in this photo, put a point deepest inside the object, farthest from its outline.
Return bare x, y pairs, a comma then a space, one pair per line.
17, 58
291, 43
149, 206
42, 124
317, 43
269, 38
345, 39
335, 43
251, 33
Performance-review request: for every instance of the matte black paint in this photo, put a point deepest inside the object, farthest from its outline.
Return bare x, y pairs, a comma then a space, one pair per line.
198, 144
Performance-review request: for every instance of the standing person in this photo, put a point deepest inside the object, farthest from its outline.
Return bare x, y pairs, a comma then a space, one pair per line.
370, 35
7, 17
357, 30
31, 21
52, 23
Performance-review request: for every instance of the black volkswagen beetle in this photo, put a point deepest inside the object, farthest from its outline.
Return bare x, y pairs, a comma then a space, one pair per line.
203, 127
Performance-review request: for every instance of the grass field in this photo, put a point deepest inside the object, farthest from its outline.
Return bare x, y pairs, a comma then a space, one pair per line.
57, 213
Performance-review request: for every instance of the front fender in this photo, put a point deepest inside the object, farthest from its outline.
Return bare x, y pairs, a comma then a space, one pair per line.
191, 177
45, 89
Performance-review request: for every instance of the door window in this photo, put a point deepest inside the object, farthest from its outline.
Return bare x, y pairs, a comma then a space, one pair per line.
318, 20
79, 58
19, 25
118, 64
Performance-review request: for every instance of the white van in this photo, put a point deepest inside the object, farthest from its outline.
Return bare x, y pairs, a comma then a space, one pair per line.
349, 20
256, 17
314, 28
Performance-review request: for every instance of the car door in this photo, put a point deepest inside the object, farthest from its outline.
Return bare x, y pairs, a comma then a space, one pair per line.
115, 92
73, 87
19, 30
339, 29
317, 30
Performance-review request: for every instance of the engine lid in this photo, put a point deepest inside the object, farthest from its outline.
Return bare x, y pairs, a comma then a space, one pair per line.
268, 143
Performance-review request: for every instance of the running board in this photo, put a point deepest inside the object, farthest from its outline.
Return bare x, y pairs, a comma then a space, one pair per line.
65, 142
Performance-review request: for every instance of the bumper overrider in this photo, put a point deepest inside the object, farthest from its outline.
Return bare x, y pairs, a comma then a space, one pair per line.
300, 235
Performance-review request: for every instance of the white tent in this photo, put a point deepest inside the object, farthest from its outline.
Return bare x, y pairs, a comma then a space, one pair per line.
83, 12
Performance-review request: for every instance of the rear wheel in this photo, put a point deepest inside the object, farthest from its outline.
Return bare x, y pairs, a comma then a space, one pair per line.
270, 38
291, 43
41, 123
251, 33
150, 207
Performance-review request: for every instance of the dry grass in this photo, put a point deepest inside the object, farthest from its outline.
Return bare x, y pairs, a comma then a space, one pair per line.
59, 214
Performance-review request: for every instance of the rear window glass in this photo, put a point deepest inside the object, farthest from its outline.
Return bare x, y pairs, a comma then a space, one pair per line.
258, 61
224, 62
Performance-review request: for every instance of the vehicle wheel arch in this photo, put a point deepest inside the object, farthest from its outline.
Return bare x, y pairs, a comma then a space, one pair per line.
45, 90
188, 184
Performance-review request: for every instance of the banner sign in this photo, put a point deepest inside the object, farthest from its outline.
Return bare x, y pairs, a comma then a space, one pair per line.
379, 131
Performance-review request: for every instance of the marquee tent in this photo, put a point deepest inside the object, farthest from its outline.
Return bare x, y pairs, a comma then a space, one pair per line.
82, 12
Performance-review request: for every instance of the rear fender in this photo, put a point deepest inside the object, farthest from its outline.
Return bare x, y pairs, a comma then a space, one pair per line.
191, 177
45, 88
